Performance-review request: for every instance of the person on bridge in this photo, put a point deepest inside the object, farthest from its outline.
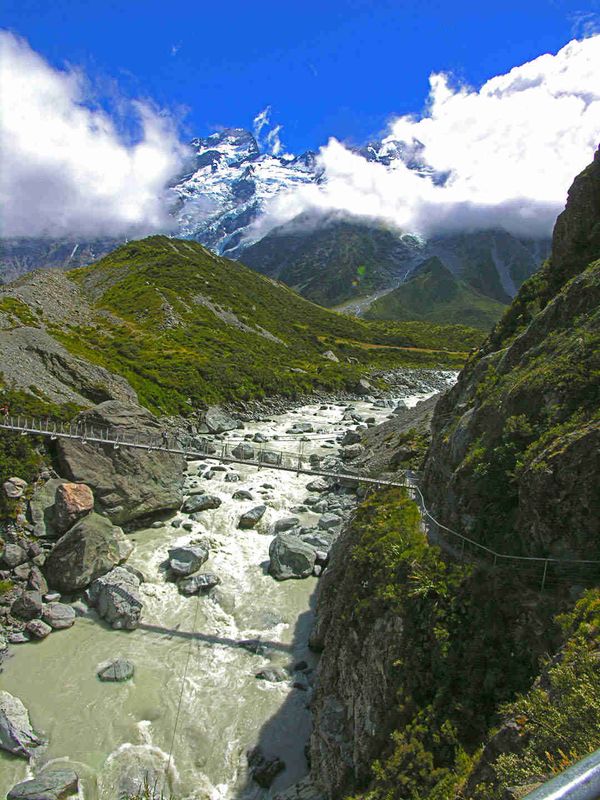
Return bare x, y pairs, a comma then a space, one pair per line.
4, 410
165, 438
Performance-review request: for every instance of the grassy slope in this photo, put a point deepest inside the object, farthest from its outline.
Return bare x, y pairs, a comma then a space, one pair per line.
433, 294
176, 351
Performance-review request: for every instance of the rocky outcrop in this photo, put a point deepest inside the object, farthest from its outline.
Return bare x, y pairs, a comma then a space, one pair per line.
128, 484
41, 508
90, 549
116, 598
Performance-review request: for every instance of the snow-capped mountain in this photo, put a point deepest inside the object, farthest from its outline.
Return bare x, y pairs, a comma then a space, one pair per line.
230, 182
229, 185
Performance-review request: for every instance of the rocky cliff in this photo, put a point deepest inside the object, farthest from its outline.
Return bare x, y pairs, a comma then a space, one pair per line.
425, 660
515, 455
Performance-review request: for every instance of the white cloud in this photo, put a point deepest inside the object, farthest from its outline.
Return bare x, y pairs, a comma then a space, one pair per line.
511, 148
65, 168
267, 137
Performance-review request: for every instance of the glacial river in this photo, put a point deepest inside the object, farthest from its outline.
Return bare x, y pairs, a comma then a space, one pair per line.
114, 733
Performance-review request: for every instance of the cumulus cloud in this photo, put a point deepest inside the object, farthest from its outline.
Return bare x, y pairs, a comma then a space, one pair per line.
65, 167
268, 137
508, 153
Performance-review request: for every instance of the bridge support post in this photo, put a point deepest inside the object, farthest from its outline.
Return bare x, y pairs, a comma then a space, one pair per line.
544, 575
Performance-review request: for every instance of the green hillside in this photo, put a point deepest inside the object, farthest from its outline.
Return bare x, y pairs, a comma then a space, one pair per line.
186, 328
433, 294
333, 262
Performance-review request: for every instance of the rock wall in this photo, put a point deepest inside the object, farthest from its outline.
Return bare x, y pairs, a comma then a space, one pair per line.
352, 717
515, 456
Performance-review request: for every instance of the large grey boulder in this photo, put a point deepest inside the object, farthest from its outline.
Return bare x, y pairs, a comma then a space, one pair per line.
13, 555
28, 605
290, 557
187, 559
117, 599
219, 421
91, 548
200, 502
251, 517
51, 784
198, 584
127, 483
243, 451
116, 671
58, 615
16, 734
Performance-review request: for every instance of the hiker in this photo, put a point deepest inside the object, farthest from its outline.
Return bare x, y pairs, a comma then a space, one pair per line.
165, 438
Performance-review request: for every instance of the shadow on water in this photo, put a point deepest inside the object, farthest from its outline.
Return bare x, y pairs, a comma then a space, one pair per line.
286, 734
252, 645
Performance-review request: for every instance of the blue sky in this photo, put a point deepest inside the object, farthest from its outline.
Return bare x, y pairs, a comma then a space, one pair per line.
326, 68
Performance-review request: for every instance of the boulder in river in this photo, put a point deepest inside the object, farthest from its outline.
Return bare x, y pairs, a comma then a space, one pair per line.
251, 517
285, 523
90, 549
264, 769
116, 671
58, 615
243, 451
117, 599
38, 629
127, 483
318, 485
363, 387
290, 557
351, 437
72, 501
51, 784
198, 584
219, 421
16, 734
272, 675
242, 494
328, 521
269, 457
200, 502
187, 559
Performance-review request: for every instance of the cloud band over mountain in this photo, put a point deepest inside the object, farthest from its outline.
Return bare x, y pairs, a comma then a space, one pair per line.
508, 152
510, 149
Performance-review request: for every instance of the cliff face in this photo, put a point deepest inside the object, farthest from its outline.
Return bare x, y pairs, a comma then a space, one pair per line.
515, 455
420, 656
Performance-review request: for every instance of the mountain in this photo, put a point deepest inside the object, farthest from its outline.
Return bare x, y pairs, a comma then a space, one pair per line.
227, 184
351, 261
330, 260
171, 322
433, 294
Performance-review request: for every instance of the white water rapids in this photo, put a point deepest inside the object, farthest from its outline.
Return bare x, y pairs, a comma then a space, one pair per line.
113, 733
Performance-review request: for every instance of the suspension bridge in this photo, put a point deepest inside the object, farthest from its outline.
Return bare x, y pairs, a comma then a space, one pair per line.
543, 569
